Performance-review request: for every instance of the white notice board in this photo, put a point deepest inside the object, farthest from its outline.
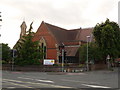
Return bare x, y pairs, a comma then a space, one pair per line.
49, 61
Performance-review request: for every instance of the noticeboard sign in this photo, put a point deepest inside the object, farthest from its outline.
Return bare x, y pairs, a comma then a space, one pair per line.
49, 61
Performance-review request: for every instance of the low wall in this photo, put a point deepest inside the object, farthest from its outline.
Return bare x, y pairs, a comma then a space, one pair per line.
53, 68
98, 66
40, 68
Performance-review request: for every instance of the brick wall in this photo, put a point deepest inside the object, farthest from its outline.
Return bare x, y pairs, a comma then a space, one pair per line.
43, 32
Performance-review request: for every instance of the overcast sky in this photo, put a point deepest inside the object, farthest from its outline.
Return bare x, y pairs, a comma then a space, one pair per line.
68, 14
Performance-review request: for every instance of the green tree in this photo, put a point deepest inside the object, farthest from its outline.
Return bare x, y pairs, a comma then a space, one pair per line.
94, 53
6, 53
29, 52
107, 37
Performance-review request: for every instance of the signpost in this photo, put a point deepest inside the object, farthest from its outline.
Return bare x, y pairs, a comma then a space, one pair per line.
108, 61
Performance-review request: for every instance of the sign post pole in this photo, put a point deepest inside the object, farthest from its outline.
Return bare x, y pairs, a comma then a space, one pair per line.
108, 61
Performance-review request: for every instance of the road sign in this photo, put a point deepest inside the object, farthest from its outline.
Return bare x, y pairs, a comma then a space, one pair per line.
108, 56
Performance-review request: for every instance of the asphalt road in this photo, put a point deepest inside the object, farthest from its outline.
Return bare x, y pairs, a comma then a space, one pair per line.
77, 81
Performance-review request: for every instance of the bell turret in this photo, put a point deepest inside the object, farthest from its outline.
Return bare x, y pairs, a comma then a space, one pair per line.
23, 29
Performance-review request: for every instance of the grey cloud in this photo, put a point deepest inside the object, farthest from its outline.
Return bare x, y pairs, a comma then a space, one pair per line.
72, 13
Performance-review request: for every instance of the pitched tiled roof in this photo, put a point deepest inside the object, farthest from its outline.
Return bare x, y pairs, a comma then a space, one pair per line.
59, 33
71, 51
83, 33
64, 35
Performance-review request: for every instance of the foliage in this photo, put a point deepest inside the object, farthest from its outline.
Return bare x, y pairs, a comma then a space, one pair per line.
83, 53
6, 53
94, 53
107, 37
29, 53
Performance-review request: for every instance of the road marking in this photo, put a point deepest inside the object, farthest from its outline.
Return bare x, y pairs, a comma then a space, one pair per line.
18, 84
16, 72
45, 81
43, 84
86, 83
79, 81
26, 78
76, 74
11, 87
95, 86
38, 80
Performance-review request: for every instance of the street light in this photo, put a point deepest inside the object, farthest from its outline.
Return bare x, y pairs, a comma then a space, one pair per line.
87, 53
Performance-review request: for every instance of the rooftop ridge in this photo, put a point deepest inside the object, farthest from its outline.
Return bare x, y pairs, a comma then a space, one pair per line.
55, 26
68, 29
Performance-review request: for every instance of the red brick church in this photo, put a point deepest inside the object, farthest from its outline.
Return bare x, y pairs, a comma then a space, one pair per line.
50, 37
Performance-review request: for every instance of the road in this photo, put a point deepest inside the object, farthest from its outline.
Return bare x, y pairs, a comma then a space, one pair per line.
77, 81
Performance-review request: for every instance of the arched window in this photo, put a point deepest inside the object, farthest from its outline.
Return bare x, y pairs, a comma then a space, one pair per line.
43, 47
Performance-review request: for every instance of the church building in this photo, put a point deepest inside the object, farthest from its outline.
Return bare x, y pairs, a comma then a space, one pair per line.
51, 37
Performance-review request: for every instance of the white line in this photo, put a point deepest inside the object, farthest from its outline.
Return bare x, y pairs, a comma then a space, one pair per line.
11, 87
38, 84
18, 84
79, 81
26, 78
45, 81
38, 80
95, 86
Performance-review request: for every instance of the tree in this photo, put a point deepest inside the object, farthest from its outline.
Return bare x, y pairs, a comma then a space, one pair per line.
29, 52
107, 37
94, 53
6, 53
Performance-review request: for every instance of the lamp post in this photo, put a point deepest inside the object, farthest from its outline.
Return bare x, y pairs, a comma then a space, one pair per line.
87, 54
